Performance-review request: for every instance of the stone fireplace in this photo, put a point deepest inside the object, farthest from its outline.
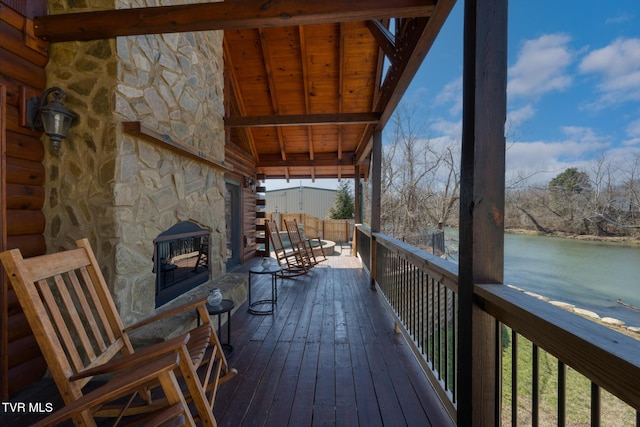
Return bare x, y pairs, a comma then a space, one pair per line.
120, 190
180, 260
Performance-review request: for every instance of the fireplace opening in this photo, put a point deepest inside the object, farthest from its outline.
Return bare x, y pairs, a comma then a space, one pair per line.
181, 260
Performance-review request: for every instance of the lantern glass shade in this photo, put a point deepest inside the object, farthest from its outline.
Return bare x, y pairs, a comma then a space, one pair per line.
52, 116
56, 120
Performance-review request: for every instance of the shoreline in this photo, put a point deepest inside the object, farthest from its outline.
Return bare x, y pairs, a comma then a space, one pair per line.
623, 240
613, 323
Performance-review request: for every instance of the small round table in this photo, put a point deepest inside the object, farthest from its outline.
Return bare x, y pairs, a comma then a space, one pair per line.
273, 270
224, 307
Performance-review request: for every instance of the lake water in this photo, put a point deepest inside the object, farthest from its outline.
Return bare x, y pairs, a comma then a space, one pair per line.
590, 275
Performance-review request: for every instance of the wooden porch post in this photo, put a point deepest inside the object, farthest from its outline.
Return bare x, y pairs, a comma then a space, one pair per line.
481, 206
356, 185
376, 197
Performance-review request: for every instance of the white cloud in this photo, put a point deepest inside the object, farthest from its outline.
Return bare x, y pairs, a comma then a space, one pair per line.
451, 93
619, 19
618, 66
545, 159
633, 132
515, 118
448, 129
541, 67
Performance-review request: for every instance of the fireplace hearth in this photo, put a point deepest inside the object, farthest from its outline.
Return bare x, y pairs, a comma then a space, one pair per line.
181, 260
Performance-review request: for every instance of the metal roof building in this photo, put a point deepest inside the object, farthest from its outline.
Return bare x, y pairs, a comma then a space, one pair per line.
312, 201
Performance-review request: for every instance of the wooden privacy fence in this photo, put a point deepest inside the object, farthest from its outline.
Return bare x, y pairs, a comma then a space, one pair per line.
337, 230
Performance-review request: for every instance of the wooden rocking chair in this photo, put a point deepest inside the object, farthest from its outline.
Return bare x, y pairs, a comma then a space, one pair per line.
293, 262
74, 319
308, 245
127, 383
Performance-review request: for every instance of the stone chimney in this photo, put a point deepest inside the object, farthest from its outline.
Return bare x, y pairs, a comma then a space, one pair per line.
122, 191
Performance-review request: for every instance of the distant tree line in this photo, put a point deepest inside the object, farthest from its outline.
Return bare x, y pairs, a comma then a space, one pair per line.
421, 183
604, 201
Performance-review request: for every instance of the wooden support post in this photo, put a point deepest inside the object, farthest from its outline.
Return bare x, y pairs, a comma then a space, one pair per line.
357, 208
356, 185
376, 197
481, 206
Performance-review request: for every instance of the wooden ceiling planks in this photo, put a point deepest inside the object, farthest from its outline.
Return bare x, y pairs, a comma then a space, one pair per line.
293, 58
310, 71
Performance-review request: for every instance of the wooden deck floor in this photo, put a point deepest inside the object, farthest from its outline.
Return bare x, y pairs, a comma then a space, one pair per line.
327, 356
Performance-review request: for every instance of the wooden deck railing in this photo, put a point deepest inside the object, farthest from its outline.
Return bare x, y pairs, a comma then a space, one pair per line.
420, 290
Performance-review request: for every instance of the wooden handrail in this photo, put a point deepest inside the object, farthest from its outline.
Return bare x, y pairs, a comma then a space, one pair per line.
445, 272
604, 356
607, 357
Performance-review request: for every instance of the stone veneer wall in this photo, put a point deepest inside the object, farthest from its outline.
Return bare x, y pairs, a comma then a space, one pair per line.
121, 191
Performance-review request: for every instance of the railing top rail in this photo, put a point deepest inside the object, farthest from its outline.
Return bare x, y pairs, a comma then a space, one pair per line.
366, 230
444, 271
607, 357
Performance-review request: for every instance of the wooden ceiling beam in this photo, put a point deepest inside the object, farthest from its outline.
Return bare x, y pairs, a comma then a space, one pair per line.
303, 120
226, 15
301, 159
414, 38
264, 44
341, 88
235, 88
412, 45
306, 85
384, 37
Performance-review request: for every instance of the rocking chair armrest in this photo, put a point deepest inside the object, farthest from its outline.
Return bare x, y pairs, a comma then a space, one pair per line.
137, 359
115, 388
167, 313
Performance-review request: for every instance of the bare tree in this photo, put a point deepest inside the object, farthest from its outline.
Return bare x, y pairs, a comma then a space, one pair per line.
421, 179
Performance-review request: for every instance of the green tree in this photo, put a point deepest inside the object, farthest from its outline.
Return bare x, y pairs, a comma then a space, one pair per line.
343, 207
570, 182
570, 196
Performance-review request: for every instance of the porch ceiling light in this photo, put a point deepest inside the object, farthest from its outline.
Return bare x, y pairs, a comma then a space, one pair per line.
53, 117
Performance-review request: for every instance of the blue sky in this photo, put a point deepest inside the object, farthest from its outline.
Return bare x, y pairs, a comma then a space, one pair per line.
573, 87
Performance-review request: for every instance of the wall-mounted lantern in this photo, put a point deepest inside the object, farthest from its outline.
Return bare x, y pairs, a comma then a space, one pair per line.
250, 183
53, 117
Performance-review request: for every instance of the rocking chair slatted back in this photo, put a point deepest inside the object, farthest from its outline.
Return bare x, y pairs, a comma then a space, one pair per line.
292, 261
296, 241
64, 298
309, 246
77, 326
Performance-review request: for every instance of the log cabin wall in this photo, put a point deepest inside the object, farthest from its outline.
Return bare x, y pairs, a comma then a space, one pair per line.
22, 175
243, 166
117, 187
127, 172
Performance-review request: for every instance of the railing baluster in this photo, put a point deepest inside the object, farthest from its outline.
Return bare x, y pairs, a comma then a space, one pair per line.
454, 355
595, 405
535, 388
439, 330
417, 288
415, 302
562, 394
514, 378
433, 322
445, 369
422, 326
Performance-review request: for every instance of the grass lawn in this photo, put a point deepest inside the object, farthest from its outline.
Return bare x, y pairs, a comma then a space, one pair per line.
614, 412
